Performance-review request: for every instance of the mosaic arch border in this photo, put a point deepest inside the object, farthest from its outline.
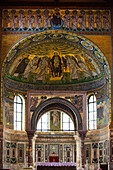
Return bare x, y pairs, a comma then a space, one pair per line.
85, 42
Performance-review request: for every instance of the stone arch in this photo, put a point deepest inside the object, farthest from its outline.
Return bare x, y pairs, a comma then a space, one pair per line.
60, 103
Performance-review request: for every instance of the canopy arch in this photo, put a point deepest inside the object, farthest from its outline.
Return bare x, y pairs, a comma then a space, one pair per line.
60, 104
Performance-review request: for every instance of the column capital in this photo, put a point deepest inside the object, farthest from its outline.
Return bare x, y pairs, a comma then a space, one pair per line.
30, 133
82, 133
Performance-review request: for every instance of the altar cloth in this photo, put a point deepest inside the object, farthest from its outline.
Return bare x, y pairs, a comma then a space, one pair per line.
56, 164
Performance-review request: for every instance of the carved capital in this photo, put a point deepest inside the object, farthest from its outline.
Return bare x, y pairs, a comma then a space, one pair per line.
30, 133
82, 134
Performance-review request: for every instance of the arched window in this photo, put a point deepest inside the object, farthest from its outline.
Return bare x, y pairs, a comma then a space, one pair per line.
92, 113
19, 108
43, 123
66, 122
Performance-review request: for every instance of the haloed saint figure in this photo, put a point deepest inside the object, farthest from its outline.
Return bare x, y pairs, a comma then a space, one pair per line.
56, 65
55, 117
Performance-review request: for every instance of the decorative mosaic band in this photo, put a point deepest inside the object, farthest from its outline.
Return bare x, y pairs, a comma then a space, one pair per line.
42, 19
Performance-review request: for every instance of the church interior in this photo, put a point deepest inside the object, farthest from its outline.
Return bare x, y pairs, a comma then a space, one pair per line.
56, 104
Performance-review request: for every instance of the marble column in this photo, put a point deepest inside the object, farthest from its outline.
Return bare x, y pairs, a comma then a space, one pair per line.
78, 150
30, 134
82, 135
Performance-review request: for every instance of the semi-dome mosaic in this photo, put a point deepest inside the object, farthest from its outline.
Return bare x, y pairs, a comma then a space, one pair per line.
53, 59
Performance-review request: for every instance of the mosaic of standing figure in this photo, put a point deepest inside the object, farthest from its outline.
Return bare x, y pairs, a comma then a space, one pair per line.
98, 20
22, 20
32, 66
14, 20
30, 20
106, 20
74, 20
6, 19
91, 20
46, 18
67, 19
82, 20
41, 19
43, 69
38, 20
8, 119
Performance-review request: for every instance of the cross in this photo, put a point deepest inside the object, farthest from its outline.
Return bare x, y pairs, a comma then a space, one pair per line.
53, 148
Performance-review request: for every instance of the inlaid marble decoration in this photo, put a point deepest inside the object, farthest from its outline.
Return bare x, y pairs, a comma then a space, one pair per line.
53, 149
10, 152
39, 151
101, 152
46, 153
87, 149
20, 153
68, 153
106, 151
61, 153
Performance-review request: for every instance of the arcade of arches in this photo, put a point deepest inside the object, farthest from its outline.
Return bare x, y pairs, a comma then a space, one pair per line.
56, 84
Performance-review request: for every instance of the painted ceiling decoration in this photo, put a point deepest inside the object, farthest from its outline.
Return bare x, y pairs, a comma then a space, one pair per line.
24, 20
55, 58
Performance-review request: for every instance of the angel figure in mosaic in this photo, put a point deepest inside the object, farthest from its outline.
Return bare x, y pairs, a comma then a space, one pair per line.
98, 20
83, 66
14, 19
82, 20
6, 19
32, 66
38, 20
90, 65
43, 69
73, 66
47, 19
106, 20
91, 20
74, 20
30, 20
67, 19
22, 20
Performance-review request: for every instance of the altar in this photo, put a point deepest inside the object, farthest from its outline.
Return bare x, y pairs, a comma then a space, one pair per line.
56, 166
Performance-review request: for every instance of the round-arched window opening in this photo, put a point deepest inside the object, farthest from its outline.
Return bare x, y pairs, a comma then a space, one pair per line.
92, 113
55, 120
19, 112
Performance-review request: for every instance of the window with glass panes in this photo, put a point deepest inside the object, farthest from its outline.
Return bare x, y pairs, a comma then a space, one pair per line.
66, 122
92, 112
44, 122
18, 113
